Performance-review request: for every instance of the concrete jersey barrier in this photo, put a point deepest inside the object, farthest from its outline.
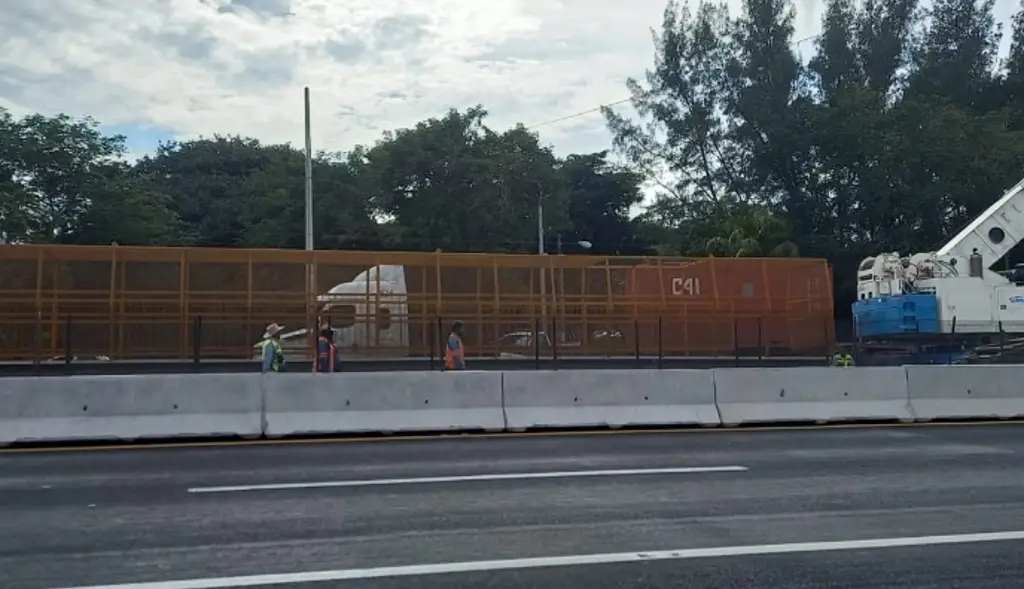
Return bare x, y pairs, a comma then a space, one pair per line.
129, 407
610, 398
816, 394
958, 392
297, 404
251, 405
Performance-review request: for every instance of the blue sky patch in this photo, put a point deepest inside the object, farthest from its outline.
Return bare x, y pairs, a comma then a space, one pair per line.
140, 139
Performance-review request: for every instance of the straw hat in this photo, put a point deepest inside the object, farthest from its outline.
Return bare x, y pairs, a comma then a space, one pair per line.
272, 330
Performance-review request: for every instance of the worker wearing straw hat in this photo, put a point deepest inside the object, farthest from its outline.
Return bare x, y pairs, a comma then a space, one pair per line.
272, 354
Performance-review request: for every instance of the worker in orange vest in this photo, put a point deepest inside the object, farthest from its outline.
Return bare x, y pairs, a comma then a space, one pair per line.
326, 352
454, 350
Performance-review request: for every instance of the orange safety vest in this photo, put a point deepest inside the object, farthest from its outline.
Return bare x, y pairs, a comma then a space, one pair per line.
325, 355
450, 355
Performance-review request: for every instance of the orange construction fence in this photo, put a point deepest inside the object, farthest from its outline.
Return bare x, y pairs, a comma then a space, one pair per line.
162, 302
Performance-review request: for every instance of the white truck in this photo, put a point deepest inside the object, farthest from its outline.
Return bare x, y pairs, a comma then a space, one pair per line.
360, 313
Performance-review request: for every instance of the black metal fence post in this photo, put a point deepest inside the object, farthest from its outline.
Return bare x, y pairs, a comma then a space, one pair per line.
761, 350
536, 344
661, 344
67, 343
636, 342
554, 342
440, 339
830, 343
736, 341
197, 341
433, 348
38, 356
858, 344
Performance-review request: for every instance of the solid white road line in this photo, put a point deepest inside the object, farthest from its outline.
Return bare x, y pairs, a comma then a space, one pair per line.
560, 561
565, 474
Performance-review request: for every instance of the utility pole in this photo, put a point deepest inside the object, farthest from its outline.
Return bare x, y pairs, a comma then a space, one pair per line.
309, 178
543, 280
310, 266
540, 227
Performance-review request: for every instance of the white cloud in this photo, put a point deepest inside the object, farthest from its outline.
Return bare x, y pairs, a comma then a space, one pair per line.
238, 66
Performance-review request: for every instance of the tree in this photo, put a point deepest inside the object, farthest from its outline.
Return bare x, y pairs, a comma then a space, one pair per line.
771, 111
234, 191
884, 43
456, 185
205, 180
13, 197
681, 143
1011, 91
897, 132
851, 91
600, 198
127, 213
61, 180
752, 232
342, 216
835, 70
956, 58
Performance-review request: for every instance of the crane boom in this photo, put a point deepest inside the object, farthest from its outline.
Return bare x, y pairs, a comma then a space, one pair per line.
992, 233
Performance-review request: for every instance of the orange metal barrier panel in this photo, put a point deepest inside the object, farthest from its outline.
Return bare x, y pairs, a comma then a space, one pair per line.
139, 302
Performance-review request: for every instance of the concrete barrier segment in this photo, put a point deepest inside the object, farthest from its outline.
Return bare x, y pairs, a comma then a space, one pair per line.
129, 407
966, 392
609, 398
367, 402
811, 394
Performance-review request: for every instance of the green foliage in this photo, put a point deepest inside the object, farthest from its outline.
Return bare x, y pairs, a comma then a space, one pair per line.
62, 181
902, 126
454, 184
450, 183
747, 232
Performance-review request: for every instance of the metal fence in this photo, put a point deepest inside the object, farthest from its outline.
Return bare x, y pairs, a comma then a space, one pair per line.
947, 341
165, 303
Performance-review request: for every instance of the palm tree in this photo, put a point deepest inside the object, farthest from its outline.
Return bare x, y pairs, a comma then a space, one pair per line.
753, 233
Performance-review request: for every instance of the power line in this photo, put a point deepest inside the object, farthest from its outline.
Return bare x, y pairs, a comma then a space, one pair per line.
624, 100
579, 114
805, 39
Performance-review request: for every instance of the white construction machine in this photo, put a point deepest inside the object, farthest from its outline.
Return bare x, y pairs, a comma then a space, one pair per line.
951, 289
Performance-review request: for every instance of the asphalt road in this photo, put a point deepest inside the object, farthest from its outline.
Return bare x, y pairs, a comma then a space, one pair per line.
112, 517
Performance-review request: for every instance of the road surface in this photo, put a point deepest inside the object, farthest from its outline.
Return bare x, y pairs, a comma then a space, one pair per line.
942, 506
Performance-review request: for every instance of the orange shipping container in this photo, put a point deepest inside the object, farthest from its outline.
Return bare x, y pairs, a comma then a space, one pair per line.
722, 305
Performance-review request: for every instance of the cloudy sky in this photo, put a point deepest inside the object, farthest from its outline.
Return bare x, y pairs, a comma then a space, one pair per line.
162, 69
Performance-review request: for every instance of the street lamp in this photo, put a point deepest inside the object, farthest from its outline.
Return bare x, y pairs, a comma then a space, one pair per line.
582, 243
